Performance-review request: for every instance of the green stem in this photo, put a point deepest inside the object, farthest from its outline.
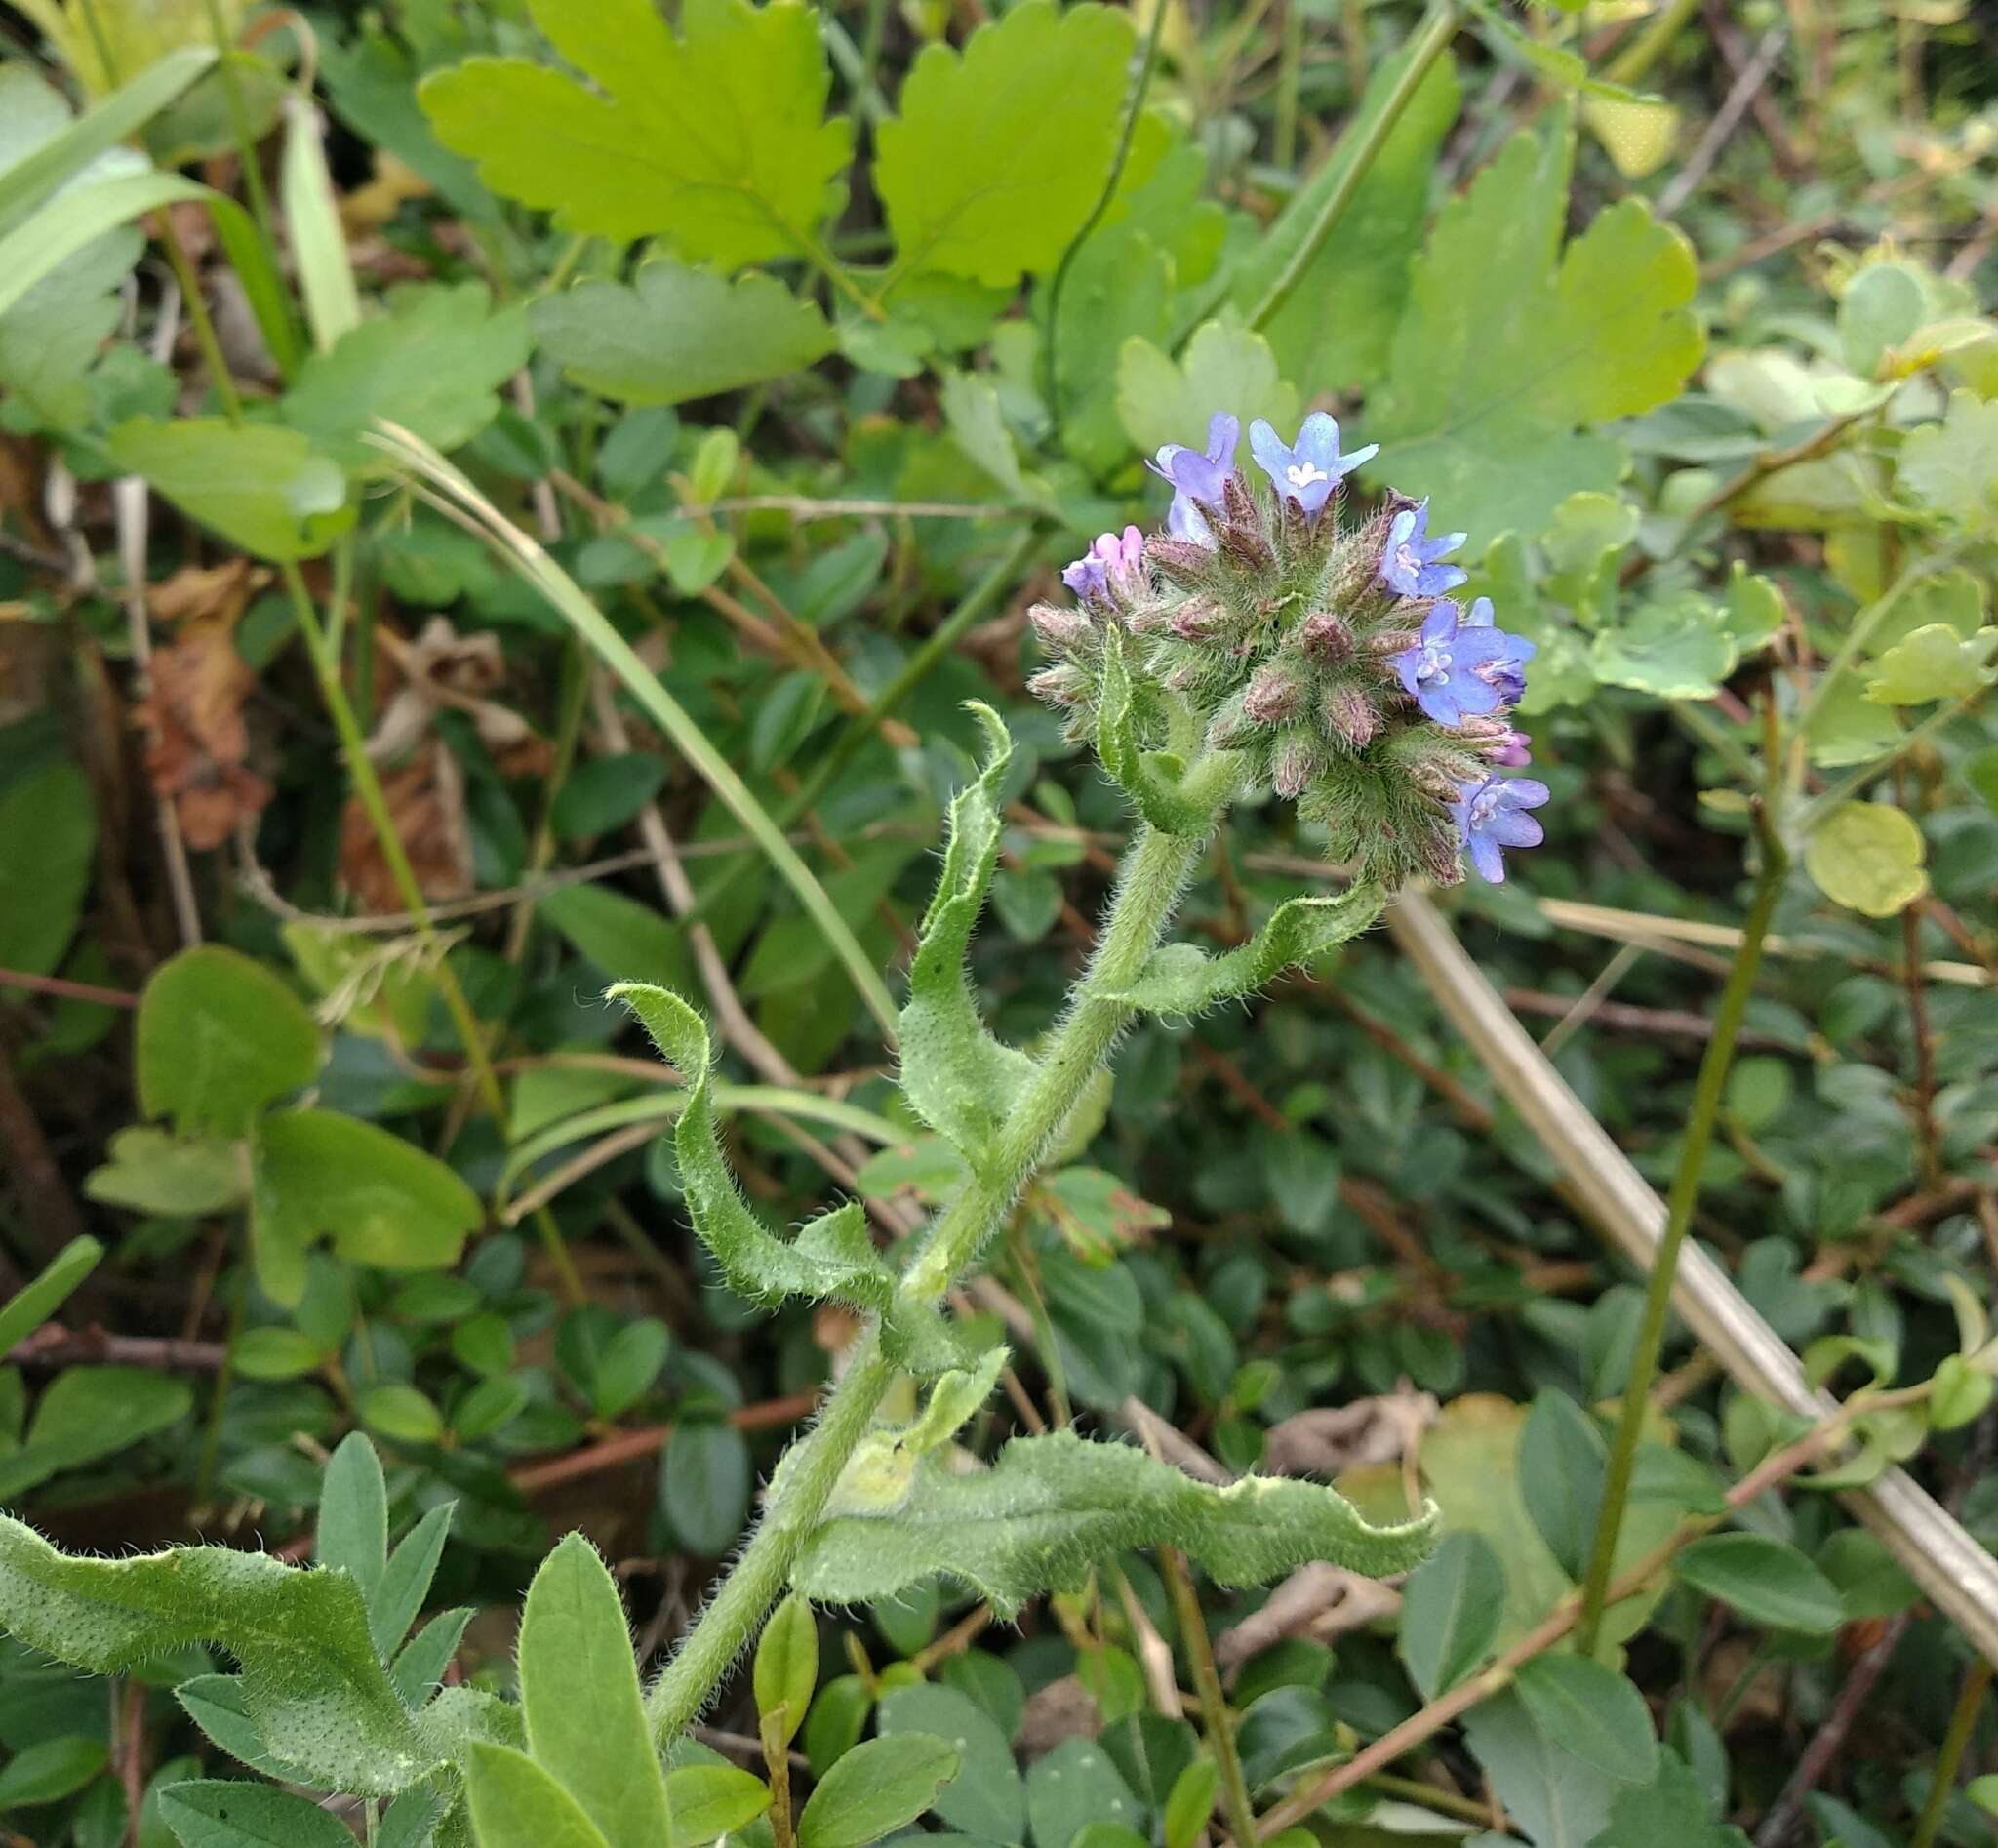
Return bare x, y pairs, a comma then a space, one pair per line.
1658, 1298
246, 140
1155, 872
1050, 377
368, 789
224, 1378
1436, 32
1867, 625
1977, 1683
1217, 1722
1814, 811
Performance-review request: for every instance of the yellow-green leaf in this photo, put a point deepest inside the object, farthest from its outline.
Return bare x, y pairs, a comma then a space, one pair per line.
1868, 856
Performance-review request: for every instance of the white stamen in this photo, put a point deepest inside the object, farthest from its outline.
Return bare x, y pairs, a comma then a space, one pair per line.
1305, 474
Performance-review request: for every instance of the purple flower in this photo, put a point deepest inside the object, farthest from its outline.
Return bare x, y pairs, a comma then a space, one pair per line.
1309, 472
1114, 559
1510, 750
1409, 562
1461, 671
1198, 477
1492, 815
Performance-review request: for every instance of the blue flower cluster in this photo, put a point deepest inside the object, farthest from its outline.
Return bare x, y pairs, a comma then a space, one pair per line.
1317, 699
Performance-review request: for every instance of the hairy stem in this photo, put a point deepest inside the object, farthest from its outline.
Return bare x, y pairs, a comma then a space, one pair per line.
1154, 874
1658, 1298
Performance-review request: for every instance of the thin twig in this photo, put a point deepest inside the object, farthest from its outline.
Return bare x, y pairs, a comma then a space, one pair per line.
1726, 118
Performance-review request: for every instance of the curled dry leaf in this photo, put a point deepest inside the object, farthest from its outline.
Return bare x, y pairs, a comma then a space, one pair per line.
197, 741
1327, 1440
427, 802
1319, 1601
442, 669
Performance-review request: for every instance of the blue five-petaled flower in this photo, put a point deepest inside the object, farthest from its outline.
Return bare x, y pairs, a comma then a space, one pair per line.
1463, 667
1492, 816
1309, 471
1198, 476
1409, 564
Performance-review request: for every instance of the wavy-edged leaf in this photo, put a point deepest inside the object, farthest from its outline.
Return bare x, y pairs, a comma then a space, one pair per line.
832, 1256
1053, 1506
310, 1679
675, 332
1149, 777
1183, 978
958, 1078
717, 137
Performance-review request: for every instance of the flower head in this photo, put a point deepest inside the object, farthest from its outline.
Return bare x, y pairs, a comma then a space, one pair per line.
1408, 563
1308, 472
1492, 815
1198, 477
1462, 670
1115, 560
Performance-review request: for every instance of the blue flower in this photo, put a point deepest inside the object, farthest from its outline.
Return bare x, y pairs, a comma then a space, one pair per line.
1463, 670
1198, 477
1115, 559
1492, 816
1409, 562
1309, 472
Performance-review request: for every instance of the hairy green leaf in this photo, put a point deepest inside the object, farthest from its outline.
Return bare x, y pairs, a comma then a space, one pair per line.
1050, 1506
1149, 777
716, 139
579, 1690
352, 1535
1183, 978
1509, 349
787, 1668
675, 332
957, 1078
832, 1256
1000, 152
516, 1804
311, 1679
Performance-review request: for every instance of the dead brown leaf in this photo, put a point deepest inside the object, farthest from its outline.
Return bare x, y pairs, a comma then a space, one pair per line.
426, 804
1063, 1710
1319, 1601
1326, 1439
197, 742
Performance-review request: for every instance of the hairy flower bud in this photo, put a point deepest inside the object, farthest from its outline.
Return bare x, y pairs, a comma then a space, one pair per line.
1063, 684
1061, 630
1274, 694
1326, 637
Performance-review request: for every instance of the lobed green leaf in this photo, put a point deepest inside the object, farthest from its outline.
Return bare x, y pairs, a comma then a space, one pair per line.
1149, 777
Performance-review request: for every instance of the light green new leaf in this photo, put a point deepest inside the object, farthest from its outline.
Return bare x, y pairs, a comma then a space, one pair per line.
1151, 779
1183, 978
149, 1170
48, 843
675, 332
1868, 856
1000, 152
260, 487
716, 140
579, 1691
314, 228
956, 1076
1050, 1506
1951, 467
311, 1679
382, 1200
516, 1804
219, 1038
787, 1668
233, 1813
711, 1800
970, 409
1677, 650
1592, 1711
1503, 359
1334, 330
880, 1786
1224, 368
431, 364
51, 337
27, 1309
832, 1256
1933, 663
